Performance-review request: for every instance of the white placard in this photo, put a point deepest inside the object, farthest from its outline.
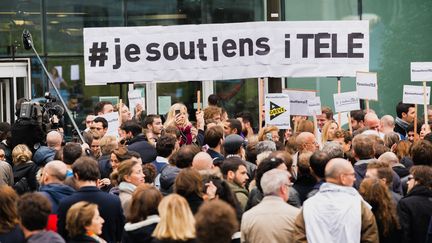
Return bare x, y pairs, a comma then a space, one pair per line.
59, 70
367, 85
74, 72
164, 104
113, 123
135, 98
277, 110
314, 106
299, 101
414, 94
348, 101
421, 71
226, 51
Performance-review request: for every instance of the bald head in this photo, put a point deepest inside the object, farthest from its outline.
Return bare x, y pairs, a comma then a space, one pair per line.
202, 161
306, 142
54, 140
340, 171
372, 121
54, 172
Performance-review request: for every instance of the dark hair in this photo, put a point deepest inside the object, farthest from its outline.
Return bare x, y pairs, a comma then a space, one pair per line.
131, 126
34, 210
102, 120
213, 100
402, 108
421, 153
188, 182
246, 117
100, 105
71, 152
145, 201
327, 111
165, 145
422, 175
215, 222
357, 115
266, 165
172, 130
86, 168
213, 135
363, 146
185, 155
148, 120
234, 123
122, 153
318, 162
231, 164
150, 172
384, 171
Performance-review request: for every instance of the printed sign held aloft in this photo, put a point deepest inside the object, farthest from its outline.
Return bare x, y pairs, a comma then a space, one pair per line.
414, 94
225, 51
277, 110
299, 101
421, 71
135, 98
314, 106
367, 85
113, 123
347, 101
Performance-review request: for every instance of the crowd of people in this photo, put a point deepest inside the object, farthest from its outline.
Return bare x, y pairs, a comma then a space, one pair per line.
217, 179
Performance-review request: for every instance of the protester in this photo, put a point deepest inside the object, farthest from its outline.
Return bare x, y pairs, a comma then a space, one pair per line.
177, 224
86, 173
357, 119
84, 223
34, 210
167, 145
326, 115
136, 141
232, 126
235, 173
215, 222
103, 107
405, 117
188, 184
272, 220
24, 170
214, 137
10, 231
363, 148
415, 209
179, 117
154, 126
328, 131
143, 215
376, 193
337, 213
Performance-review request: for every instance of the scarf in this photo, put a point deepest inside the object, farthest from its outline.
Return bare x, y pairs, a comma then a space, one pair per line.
403, 124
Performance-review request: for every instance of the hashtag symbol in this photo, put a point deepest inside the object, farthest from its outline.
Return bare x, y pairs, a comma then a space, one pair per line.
98, 54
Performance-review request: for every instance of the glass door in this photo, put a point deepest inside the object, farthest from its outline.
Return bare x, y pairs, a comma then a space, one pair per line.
14, 84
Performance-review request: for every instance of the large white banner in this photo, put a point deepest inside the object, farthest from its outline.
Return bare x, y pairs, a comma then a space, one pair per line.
226, 51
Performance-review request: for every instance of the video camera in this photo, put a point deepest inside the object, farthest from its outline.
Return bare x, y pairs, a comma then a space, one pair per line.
40, 113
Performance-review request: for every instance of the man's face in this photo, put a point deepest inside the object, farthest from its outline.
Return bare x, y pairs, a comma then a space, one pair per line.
156, 126
374, 125
227, 129
108, 108
348, 177
241, 176
89, 121
410, 136
409, 117
95, 148
372, 173
321, 120
311, 144
356, 124
125, 114
98, 127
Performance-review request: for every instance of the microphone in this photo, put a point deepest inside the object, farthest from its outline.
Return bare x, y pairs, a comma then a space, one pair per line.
27, 39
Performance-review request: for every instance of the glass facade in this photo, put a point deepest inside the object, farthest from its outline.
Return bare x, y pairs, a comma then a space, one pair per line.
399, 34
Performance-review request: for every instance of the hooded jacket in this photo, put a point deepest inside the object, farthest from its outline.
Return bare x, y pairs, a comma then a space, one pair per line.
55, 193
43, 155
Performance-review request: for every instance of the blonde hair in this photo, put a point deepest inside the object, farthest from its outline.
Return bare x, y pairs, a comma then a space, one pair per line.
325, 129
79, 216
170, 121
21, 154
107, 144
262, 132
176, 219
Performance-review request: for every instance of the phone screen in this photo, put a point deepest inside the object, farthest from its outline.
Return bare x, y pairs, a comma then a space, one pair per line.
177, 112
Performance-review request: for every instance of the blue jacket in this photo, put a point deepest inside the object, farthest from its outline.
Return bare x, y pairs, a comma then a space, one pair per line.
110, 210
55, 193
43, 155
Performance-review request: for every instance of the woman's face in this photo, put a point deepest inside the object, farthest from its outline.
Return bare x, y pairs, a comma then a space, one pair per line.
288, 133
137, 176
114, 162
181, 117
331, 131
96, 224
425, 129
275, 136
125, 114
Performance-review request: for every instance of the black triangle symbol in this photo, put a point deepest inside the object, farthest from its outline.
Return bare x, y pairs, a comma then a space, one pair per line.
275, 110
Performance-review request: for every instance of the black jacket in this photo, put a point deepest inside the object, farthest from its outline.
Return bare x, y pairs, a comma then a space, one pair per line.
83, 239
140, 232
139, 144
25, 177
415, 212
109, 208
